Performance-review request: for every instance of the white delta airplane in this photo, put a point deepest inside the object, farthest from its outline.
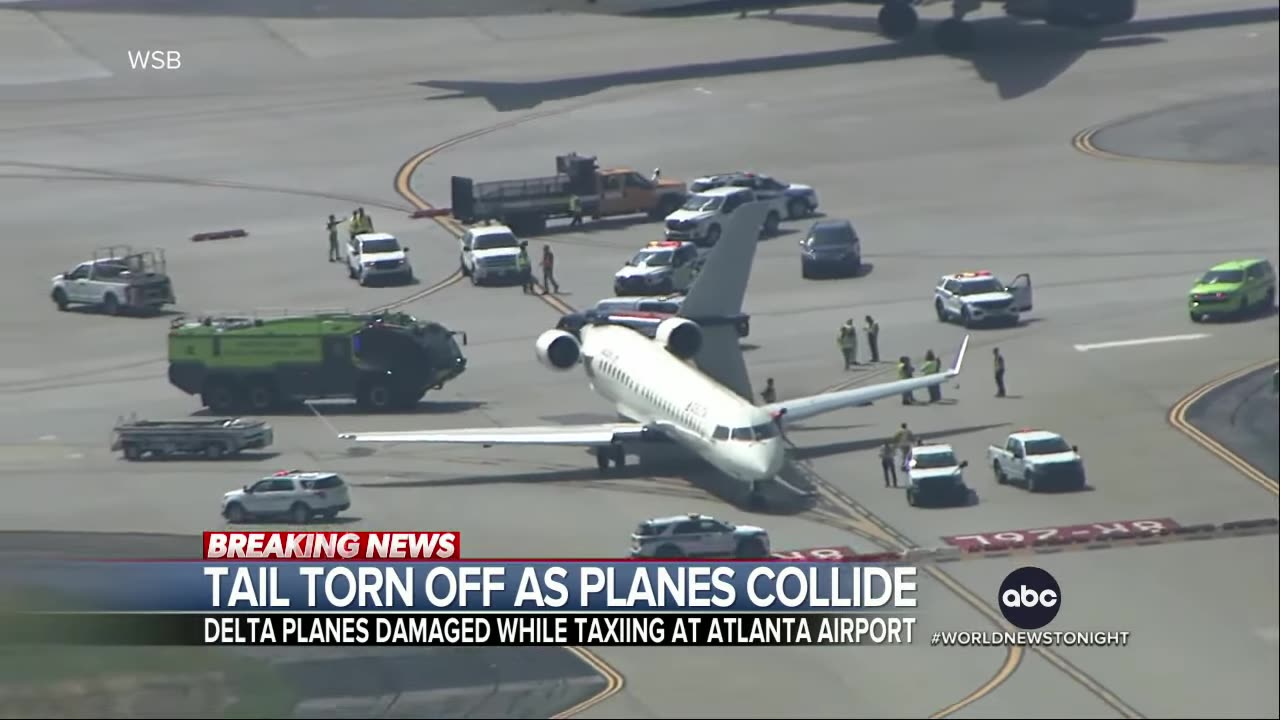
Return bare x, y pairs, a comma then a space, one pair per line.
688, 384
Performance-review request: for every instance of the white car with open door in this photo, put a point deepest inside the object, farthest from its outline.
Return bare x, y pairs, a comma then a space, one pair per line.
979, 298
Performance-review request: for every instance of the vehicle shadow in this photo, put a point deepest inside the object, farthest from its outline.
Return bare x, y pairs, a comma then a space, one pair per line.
351, 409
195, 458
125, 312
267, 522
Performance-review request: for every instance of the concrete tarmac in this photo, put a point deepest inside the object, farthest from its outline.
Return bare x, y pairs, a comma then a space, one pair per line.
1242, 416
945, 164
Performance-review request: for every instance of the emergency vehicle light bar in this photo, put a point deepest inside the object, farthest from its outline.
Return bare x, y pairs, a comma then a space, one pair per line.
664, 243
975, 273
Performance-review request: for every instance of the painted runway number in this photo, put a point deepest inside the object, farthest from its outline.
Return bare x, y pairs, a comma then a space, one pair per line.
1091, 531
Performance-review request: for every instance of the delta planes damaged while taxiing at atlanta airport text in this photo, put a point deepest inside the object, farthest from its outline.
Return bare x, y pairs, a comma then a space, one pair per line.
687, 385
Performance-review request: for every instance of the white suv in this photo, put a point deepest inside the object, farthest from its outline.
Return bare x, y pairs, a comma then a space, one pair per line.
979, 297
293, 494
490, 252
377, 255
695, 535
703, 215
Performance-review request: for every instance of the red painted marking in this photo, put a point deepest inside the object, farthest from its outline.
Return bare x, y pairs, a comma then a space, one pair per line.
1091, 531
835, 554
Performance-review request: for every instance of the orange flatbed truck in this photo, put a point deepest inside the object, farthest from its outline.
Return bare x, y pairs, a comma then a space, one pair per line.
526, 205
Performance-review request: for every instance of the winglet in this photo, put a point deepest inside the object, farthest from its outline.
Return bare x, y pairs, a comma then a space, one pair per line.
955, 369
346, 436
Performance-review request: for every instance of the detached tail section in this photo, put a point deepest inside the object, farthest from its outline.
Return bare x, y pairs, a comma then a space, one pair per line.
719, 292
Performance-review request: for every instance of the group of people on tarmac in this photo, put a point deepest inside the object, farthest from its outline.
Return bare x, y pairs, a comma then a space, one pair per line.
548, 266
359, 222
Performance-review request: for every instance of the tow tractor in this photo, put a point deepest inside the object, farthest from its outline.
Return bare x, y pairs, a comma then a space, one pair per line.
213, 438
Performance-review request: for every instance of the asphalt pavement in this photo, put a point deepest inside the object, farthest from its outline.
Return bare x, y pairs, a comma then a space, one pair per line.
1241, 415
943, 163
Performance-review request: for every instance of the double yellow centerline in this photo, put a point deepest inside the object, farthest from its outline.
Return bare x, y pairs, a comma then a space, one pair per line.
404, 186
614, 680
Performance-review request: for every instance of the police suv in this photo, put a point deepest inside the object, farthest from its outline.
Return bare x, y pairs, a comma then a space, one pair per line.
644, 314
799, 200
702, 216
979, 297
293, 494
663, 266
695, 535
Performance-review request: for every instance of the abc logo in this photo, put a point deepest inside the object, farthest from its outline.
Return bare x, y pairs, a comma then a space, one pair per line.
1030, 598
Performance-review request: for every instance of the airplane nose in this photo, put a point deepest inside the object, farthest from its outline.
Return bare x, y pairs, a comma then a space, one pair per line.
767, 461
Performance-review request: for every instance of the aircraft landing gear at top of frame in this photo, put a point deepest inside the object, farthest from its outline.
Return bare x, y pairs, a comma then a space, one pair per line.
898, 19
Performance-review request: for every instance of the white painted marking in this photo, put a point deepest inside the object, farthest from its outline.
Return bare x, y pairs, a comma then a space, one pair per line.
702, 90
75, 456
47, 438
1140, 341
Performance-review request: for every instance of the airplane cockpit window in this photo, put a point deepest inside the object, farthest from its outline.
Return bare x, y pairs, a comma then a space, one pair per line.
721, 433
765, 431
743, 433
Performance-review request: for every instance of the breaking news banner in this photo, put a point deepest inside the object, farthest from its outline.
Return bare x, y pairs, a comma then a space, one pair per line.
413, 588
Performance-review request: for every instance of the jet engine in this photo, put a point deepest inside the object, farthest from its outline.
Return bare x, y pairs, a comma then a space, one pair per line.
682, 338
1074, 13
558, 349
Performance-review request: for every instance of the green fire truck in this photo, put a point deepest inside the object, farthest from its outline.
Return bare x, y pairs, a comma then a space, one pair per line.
385, 361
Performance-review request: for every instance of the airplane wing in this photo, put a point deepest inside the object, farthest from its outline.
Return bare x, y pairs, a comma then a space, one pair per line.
718, 293
807, 407
563, 435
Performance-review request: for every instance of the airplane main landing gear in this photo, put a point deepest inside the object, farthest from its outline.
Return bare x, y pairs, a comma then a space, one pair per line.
898, 19
611, 452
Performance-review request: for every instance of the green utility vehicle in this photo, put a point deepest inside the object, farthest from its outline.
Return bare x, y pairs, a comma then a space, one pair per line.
385, 361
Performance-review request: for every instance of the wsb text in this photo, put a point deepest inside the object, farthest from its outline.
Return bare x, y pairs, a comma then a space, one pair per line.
155, 59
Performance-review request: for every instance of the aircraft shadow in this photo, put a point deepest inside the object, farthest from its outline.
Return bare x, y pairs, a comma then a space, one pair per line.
813, 452
1016, 58
778, 501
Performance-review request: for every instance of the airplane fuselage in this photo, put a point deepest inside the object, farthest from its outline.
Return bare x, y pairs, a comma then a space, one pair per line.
647, 383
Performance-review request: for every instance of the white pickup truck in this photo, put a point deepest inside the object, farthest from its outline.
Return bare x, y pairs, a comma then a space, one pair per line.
1037, 460
116, 279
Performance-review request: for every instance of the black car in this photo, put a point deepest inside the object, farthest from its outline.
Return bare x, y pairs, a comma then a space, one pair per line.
831, 247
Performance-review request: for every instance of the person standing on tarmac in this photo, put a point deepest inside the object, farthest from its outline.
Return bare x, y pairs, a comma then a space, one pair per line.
332, 227
886, 465
366, 221
770, 394
905, 372
998, 362
353, 224
848, 342
903, 440
873, 339
525, 267
575, 207
549, 271
931, 366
